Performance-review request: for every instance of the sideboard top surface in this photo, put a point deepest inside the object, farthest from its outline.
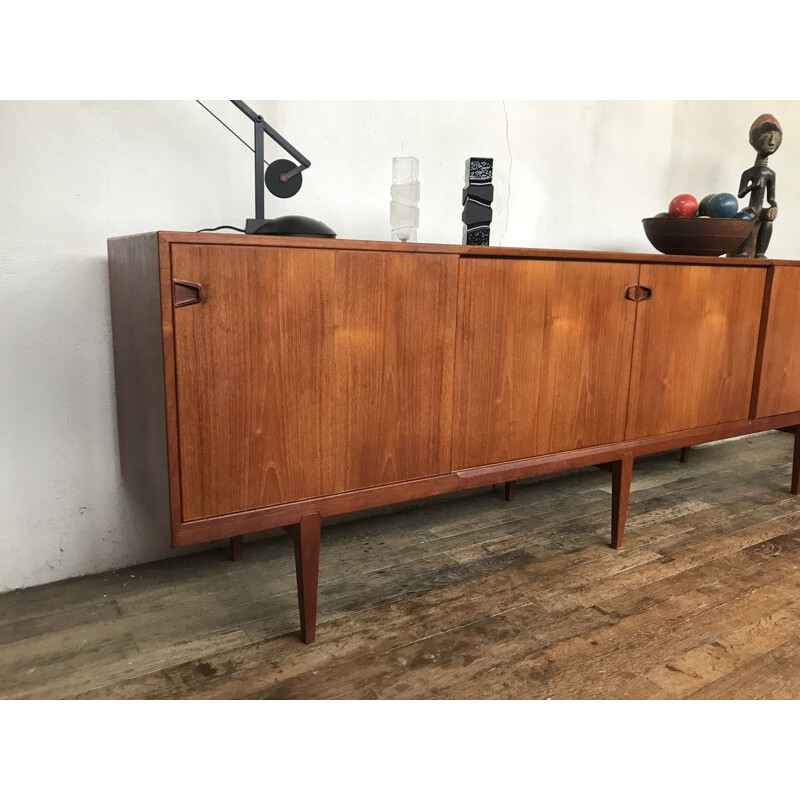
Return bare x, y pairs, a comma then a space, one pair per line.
227, 239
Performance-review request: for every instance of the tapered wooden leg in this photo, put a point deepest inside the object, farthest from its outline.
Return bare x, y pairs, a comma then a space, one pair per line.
621, 472
236, 548
509, 491
796, 462
685, 454
306, 560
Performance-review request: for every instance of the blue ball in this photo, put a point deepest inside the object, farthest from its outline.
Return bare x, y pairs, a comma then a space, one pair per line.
745, 215
723, 205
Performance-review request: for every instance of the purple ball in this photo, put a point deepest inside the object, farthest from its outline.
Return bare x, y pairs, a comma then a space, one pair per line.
723, 205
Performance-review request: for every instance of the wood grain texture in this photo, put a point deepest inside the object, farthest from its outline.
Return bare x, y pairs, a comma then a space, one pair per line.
542, 357
464, 598
695, 348
170, 386
133, 271
356, 397
306, 556
394, 347
779, 373
235, 239
203, 530
309, 372
621, 474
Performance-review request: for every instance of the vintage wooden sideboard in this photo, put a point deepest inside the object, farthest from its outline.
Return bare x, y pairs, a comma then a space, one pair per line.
268, 382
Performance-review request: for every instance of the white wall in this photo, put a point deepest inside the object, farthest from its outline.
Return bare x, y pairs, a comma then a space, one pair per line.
567, 174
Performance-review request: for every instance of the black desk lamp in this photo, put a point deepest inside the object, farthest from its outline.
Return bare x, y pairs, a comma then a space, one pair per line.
283, 178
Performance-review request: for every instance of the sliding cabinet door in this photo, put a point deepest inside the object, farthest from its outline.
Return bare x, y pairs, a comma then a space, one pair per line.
542, 357
303, 372
695, 347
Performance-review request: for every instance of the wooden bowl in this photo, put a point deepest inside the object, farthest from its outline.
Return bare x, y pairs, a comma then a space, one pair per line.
696, 236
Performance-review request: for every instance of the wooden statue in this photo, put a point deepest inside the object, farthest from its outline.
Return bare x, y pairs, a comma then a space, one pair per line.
759, 181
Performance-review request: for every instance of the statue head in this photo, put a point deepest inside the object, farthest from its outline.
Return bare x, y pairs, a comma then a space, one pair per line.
766, 135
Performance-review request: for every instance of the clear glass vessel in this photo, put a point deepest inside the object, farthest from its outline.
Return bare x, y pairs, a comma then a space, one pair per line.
403, 210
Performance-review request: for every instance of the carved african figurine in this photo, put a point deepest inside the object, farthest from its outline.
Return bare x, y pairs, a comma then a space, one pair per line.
758, 181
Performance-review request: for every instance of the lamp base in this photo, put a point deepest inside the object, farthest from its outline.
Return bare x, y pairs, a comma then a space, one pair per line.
291, 225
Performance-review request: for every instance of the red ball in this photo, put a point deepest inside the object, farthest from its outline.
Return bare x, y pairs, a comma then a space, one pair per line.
684, 205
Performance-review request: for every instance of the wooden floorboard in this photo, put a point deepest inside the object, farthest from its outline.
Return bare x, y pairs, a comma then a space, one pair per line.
467, 597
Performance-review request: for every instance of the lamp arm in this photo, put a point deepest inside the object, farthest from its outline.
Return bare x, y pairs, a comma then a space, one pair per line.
262, 124
282, 178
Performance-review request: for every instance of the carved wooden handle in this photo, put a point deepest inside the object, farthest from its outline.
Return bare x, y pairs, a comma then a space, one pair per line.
638, 293
187, 293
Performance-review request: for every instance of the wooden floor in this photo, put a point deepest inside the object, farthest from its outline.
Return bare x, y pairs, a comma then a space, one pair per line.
471, 597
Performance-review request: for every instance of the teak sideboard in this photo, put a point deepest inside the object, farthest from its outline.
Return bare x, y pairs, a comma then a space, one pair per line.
267, 382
